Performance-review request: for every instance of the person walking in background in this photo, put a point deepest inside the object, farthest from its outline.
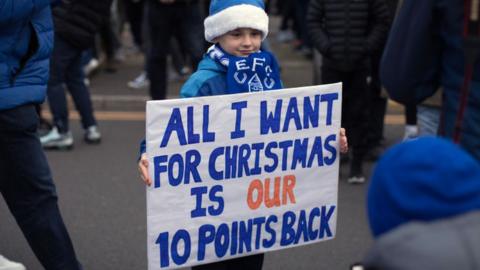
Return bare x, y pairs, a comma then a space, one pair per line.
347, 33
168, 18
76, 23
26, 35
435, 44
378, 97
304, 44
424, 208
134, 10
288, 22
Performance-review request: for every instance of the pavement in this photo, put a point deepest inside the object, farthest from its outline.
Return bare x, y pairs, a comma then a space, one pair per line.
103, 201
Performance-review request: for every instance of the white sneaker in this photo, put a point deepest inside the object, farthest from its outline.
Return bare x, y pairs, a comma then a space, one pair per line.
57, 140
6, 264
411, 132
92, 65
139, 82
356, 179
92, 135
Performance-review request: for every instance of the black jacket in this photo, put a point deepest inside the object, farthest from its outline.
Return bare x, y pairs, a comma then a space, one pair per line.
77, 21
346, 32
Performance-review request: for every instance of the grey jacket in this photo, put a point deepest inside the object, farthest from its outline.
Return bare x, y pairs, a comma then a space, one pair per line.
446, 244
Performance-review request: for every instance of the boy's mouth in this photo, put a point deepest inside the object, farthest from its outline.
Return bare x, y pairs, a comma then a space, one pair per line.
245, 52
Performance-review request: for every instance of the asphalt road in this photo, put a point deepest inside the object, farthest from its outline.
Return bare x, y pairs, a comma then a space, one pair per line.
103, 204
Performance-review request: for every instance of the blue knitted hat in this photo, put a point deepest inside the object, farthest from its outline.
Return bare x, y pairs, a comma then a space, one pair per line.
228, 15
423, 180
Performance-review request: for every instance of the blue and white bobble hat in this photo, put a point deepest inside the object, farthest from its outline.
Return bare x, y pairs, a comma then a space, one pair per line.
228, 15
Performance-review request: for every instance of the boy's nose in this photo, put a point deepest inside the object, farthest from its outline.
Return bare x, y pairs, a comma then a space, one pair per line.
247, 41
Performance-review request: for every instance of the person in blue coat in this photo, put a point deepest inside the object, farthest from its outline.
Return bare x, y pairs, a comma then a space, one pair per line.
26, 41
424, 208
429, 48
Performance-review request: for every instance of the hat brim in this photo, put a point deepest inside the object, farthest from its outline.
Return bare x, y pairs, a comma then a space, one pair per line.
239, 16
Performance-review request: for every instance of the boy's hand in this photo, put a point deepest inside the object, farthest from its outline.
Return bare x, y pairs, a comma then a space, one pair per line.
343, 141
143, 169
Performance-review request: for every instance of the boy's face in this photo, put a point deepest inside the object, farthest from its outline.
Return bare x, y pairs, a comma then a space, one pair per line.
241, 42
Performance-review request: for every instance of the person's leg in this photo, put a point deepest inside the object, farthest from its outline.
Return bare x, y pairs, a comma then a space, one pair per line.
301, 8
74, 78
178, 57
329, 75
61, 58
378, 105
159, 17
110, 43
29, 191
191, 29
411, 129
357, 98
134, 13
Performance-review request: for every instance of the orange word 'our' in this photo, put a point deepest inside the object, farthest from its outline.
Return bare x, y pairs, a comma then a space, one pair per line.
260, 192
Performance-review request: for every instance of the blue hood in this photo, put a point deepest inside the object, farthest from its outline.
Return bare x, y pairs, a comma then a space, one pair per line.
422, 180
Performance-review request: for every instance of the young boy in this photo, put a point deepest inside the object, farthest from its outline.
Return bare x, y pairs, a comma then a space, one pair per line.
237, 29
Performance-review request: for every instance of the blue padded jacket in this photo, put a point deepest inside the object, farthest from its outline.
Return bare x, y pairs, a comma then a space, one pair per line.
425, 51
26, 41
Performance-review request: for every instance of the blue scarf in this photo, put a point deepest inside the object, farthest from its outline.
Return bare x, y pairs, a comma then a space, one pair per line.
257, 72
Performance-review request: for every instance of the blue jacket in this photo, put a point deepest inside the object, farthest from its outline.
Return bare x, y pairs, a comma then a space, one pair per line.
26, 41
425, 51
210, 79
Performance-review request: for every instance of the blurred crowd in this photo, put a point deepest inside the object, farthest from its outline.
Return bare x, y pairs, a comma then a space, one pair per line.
170, 36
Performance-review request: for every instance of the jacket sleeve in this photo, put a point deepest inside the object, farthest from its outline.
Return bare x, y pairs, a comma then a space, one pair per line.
14, 10
142, 149
380, 23
316, 27
410, 67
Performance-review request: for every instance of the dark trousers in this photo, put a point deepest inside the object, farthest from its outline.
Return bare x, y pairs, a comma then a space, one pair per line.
66, 68
378, 104
253, 262
182, 20
134, 12
109, 39
27, 187
411, 115
355, 105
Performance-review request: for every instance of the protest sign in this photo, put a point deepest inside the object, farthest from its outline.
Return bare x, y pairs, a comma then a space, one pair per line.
241, 174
